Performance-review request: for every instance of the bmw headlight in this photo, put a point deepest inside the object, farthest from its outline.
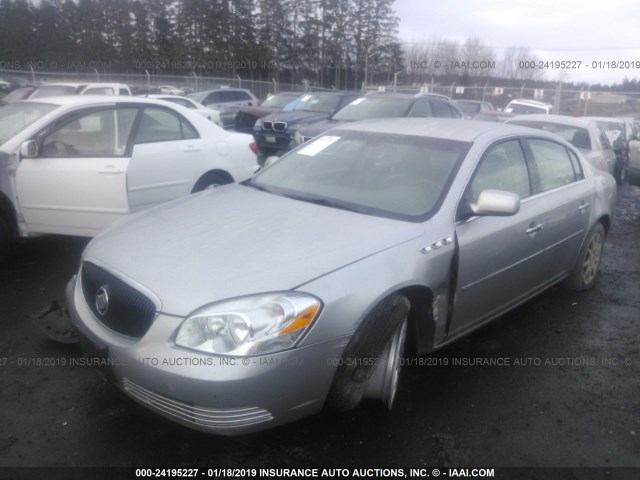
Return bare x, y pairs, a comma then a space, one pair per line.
258, 124
252, 325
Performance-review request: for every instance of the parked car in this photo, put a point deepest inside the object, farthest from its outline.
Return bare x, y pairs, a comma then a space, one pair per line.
247, 116
494, 116
170, 90
72, 165
377, 233
524, 106
208, 113
4, 85
383, 106
586, 135
471, 108
57, 89
634, 157
17, 95
275, 133
227, 101
618, 136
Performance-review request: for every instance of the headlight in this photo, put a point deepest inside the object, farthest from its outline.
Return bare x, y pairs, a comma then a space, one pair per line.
258, 124
252, 325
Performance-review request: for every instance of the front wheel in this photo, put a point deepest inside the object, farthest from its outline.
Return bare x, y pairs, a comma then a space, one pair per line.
370, 364
210, 181
583, 276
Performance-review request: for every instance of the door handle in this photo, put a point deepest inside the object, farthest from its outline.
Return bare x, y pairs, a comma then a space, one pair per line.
584, 206
111, 170
534, 229
191, 148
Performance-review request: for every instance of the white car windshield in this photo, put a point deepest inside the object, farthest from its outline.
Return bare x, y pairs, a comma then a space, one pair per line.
15, 117
53, 90
396, 176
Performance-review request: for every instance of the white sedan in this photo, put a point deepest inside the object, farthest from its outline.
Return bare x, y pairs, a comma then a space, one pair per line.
206, 112
73, 165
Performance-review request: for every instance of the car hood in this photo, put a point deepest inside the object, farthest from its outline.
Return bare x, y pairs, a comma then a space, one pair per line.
259, 112
295, 118
318, 128
235, 241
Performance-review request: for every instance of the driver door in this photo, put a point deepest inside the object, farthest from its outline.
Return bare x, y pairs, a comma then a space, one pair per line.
77, 184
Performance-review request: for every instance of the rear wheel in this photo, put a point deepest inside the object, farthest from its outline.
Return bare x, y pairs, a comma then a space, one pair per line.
370, 364
210, 181
584, 273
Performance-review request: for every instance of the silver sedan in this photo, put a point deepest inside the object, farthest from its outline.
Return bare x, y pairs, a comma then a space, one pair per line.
256, 304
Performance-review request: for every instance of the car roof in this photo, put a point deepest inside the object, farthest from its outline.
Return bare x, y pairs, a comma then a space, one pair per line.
446, 128
558, 119
526, 101
605, 119
82, 100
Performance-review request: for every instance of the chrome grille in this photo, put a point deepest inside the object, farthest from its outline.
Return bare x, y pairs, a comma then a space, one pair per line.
279, 126
204, 417
268, 125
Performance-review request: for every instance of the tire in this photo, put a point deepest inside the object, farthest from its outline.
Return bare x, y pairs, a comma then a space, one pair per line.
372, 358
621, 175
583, 276
5, 239
210, 180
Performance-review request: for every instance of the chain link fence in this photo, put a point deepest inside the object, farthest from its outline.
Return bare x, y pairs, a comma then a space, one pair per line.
564, 101
143, 82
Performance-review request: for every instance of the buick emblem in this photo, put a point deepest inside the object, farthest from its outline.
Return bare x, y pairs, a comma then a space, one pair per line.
102, 300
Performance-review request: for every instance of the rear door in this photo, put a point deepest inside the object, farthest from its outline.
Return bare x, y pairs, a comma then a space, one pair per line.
560, 181
77, 184
167, 156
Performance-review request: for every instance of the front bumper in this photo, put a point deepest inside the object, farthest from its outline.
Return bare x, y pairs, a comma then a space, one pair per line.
216, 394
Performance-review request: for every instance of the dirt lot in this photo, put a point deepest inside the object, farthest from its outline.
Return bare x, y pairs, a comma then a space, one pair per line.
566, 393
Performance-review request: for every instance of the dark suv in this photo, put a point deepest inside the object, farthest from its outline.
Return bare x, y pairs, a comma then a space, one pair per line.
274, 133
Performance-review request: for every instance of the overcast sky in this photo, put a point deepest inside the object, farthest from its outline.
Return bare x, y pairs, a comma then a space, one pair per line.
553, 29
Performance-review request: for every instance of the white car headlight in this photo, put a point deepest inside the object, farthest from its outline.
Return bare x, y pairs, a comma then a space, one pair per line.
258, 123
252, 325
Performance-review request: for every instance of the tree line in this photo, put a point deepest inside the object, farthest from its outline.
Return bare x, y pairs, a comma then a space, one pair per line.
323, 42
327, 43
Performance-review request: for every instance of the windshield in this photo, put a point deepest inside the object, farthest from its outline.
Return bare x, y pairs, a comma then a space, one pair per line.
316, 103
53, 90
577, 136
524, 109
15, 117
362, 108
278, 100
397, 176
469, 108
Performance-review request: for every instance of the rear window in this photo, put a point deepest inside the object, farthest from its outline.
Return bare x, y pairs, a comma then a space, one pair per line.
363, 108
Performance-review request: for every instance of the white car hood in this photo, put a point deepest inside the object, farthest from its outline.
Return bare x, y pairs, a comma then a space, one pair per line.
235, 241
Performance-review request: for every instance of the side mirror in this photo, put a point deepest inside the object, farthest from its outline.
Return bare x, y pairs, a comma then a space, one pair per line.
29, 149
496, 203
271, 160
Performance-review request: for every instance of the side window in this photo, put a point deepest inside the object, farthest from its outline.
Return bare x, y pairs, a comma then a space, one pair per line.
575, 163
243, 96
103, 133
421, 109
604, 140
503, 167
124, 91
553, 165
440, 109
228, 97
98, 91
213, 98
159, 125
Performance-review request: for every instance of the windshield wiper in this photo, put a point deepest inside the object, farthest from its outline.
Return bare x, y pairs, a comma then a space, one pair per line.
326, 202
